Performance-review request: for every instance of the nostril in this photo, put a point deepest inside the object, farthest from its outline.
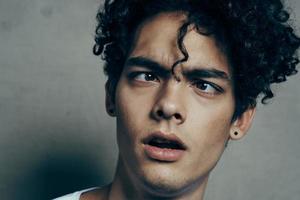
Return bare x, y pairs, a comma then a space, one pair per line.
177, 116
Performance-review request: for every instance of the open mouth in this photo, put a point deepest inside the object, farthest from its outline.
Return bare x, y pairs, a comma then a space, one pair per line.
164, 148
165, 143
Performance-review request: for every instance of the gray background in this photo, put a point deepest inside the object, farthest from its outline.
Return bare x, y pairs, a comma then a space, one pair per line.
55, 136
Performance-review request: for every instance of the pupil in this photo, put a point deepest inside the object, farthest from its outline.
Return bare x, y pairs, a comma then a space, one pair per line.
202, 86
149, 77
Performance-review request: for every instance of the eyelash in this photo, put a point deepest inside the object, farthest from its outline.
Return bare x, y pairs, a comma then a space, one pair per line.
215, 87
195, 82
134, 75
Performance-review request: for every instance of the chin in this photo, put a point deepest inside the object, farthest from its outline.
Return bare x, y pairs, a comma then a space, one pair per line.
163, 187
165, 182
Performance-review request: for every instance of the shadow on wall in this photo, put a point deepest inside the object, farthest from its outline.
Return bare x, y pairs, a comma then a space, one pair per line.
67, 174
59, 176
60, 172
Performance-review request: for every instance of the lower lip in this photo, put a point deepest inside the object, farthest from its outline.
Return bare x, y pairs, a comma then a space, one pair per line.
163, 154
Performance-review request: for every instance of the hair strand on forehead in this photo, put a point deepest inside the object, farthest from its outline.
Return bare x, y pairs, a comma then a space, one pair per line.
181, 35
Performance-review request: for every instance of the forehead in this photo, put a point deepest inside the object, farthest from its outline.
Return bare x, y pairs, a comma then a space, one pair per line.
157, 39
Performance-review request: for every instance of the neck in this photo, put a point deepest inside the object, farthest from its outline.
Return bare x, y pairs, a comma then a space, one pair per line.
124, 187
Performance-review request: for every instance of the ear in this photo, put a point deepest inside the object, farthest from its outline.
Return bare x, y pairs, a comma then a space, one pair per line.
242, 124
109, 99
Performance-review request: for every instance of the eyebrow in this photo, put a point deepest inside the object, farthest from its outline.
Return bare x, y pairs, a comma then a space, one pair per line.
207, 73
195, 72
147, 63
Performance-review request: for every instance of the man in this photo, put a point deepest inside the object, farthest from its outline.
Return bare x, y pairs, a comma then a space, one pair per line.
183, 79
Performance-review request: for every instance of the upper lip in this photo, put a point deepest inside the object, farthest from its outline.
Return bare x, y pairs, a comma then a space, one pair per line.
168, 137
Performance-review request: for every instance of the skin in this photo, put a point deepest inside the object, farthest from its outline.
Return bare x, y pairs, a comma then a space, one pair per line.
197, 109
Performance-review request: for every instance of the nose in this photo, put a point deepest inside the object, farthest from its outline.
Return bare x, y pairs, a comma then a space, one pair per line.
169, 105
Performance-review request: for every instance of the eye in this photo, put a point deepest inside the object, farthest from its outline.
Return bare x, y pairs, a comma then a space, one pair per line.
207, 87
143, 76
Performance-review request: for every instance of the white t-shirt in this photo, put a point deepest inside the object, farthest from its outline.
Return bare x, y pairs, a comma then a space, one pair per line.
74, 196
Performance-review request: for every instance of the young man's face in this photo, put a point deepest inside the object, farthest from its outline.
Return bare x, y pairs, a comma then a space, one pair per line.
172, 130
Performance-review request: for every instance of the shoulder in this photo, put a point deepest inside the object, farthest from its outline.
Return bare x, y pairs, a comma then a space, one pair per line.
67, 197
76, 195
96, 194
87, 194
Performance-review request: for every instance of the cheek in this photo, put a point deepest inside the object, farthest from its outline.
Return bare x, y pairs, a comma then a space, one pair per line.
128, 116
217, 120
213, 115
131, 111
211, 130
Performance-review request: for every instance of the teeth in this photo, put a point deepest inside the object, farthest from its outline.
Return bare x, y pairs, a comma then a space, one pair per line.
162, 141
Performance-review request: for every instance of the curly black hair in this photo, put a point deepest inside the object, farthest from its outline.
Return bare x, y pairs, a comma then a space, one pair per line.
255, 35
